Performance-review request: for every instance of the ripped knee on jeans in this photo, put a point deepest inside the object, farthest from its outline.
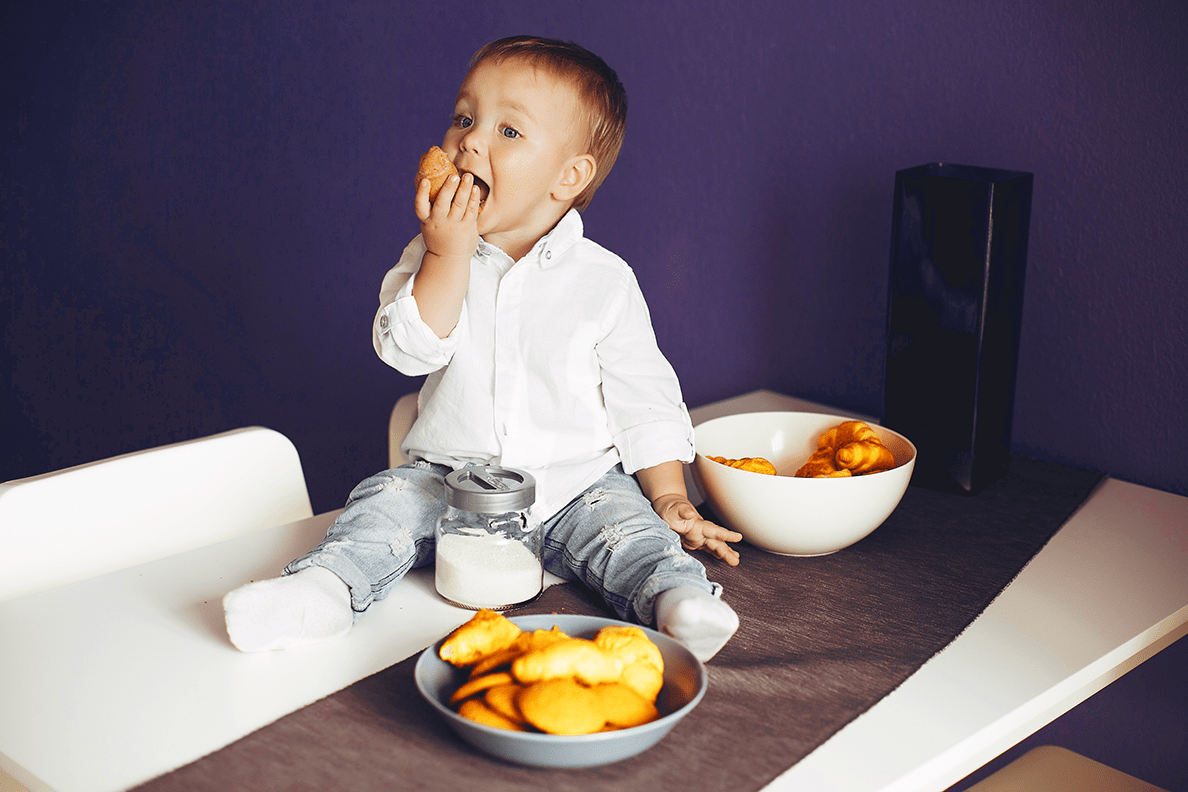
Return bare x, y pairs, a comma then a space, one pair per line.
402, 544
595, 498
614, 537
374, 485
618, 535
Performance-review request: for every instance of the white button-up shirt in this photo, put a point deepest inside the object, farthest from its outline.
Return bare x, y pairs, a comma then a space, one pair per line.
553, 367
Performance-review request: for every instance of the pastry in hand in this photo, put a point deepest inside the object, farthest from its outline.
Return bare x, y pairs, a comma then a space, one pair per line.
751, 464
436, 167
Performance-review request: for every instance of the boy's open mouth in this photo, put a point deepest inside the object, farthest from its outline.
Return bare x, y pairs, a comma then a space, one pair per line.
484, 189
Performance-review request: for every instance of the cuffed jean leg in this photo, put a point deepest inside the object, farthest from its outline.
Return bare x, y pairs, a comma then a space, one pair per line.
386, 529
612, 540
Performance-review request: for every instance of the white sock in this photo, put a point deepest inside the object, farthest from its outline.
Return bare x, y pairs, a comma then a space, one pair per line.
700, 621
309, 607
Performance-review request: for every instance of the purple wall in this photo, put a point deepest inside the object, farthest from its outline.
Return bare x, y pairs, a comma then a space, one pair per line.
198, 206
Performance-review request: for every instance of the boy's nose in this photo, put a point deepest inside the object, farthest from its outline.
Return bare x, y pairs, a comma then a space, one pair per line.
472, 142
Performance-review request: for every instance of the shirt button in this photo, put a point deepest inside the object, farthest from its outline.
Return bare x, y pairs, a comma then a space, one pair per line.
548, 254
383, 321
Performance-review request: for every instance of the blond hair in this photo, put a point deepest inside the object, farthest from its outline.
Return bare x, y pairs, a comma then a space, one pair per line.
602, 96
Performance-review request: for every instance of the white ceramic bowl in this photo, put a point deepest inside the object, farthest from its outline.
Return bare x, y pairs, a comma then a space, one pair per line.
684, 687
794, 516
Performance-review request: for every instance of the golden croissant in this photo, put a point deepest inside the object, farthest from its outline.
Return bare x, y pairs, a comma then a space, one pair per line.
849, 449
821, 465
575, 658
864, 456
752, 464
486, 633
846, 432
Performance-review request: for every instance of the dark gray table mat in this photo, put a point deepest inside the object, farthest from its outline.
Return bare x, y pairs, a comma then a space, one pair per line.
821, 641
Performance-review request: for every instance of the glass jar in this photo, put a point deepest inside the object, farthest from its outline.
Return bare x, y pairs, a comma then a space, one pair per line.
488, 554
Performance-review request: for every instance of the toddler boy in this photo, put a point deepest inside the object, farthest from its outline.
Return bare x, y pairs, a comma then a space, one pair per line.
540, 355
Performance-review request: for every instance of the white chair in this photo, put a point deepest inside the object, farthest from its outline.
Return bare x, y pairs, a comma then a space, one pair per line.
401, 420
88, 520
1051, 768
10, 784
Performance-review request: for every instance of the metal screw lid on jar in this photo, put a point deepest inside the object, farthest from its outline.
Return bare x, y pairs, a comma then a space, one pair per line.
490, 489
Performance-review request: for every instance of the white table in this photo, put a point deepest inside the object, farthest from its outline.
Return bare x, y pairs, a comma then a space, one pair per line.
111, 681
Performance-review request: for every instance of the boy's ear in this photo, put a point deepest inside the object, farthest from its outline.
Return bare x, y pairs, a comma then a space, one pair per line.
575, 177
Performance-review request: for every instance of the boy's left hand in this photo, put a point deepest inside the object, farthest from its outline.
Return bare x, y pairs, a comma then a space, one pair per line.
697, 533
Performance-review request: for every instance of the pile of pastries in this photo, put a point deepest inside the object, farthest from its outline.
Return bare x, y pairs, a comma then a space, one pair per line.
849, 449
546, 681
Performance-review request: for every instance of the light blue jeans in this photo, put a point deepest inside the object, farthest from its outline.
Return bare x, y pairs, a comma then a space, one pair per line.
609, 538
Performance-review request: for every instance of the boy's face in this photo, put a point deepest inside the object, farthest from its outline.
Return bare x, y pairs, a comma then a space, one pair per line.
515, 130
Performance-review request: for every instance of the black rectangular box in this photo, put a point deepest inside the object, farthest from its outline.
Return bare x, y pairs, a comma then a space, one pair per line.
955, 306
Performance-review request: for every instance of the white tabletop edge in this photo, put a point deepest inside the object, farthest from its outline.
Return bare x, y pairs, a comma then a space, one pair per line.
970, 754
922, 736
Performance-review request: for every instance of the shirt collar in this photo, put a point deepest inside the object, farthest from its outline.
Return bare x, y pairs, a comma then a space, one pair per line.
549, 248
564, 235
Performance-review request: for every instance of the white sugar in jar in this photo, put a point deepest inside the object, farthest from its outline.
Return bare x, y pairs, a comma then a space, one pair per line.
488, 555
486, 571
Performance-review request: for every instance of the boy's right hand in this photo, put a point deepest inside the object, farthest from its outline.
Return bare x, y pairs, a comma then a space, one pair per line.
449, 225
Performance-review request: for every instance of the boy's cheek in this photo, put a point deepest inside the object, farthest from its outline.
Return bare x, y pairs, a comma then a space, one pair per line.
450, 146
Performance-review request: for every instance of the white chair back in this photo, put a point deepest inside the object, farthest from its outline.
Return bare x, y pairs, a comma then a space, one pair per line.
84, 521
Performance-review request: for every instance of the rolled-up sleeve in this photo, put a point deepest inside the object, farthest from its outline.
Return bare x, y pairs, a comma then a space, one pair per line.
399, 334
647, 417
649, 444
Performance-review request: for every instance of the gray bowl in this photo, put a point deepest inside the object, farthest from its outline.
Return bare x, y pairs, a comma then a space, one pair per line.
684, 686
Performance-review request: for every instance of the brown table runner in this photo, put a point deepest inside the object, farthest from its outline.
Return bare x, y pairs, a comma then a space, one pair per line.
822, 640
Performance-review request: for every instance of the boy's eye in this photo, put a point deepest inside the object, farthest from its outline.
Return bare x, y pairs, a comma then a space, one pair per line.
463, 121
508, 132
